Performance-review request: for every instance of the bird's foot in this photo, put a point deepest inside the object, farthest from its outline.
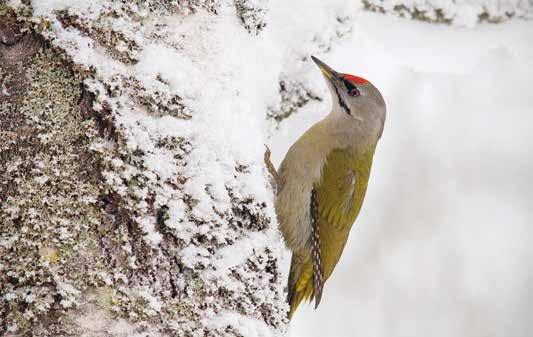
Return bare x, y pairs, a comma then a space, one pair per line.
271, 169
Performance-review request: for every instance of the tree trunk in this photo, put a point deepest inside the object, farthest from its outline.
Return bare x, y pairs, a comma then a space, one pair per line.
461, 13
123, 209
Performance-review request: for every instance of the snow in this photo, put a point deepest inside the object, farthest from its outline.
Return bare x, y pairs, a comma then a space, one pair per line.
236, 254
153, 301
148, 227
4, 90
68, 293
97, 322
249, 327
10, 296
48, 6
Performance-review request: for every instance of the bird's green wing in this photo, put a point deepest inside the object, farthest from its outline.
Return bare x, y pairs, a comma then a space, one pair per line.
340, 194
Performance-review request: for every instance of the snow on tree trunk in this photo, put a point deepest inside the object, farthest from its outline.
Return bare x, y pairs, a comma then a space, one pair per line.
127, 205
458, 12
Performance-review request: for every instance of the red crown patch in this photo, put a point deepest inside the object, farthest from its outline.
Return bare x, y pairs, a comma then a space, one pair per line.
355, 79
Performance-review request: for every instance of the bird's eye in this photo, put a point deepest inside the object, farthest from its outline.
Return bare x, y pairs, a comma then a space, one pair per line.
352, 89
354, 92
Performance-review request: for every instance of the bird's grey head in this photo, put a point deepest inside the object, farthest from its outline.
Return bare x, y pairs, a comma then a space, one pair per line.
354, 98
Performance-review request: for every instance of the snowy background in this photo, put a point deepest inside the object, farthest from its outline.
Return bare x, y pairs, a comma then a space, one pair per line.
442, 246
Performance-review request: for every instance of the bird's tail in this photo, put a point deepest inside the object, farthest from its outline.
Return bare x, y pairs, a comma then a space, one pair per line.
300, 284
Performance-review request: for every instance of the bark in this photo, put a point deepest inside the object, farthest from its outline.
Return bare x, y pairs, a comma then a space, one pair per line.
94, 240
461, 13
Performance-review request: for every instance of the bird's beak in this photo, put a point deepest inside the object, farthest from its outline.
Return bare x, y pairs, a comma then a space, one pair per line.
329, 73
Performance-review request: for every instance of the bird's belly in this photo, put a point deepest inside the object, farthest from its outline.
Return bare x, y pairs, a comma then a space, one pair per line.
293, 211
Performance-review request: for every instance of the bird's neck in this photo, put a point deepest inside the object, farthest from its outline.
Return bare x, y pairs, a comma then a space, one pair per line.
352, 132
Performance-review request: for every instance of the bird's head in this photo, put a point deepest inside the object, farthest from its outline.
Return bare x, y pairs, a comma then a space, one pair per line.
353, 97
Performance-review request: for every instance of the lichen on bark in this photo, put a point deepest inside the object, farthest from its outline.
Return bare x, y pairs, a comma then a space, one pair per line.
49, 185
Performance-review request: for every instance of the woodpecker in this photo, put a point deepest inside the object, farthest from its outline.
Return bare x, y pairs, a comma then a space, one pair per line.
323, 179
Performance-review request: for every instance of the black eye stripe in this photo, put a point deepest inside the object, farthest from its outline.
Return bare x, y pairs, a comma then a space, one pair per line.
349, 85
341, 102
